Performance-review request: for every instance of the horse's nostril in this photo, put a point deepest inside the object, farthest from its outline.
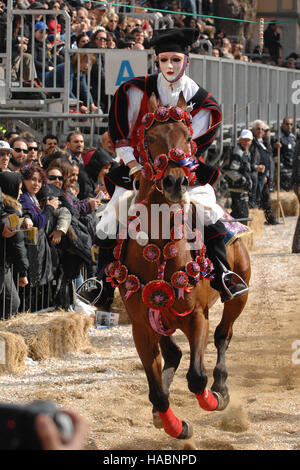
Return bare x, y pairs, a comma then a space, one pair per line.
168, 182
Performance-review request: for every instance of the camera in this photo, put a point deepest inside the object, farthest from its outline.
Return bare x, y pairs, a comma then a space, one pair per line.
17, 424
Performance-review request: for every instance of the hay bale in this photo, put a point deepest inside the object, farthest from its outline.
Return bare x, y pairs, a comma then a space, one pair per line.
50, 335
257, 227
289, 203
13, 352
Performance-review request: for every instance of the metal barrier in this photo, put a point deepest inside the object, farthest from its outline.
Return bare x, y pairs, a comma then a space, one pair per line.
247, 91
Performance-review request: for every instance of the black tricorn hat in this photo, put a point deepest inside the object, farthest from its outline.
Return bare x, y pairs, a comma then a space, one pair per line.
174, 40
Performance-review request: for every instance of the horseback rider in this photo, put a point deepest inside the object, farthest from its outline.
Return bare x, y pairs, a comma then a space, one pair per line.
128, 107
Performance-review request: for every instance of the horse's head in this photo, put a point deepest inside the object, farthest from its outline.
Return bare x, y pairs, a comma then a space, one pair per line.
166, 148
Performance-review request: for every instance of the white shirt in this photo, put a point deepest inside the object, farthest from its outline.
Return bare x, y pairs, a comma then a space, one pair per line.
168, 94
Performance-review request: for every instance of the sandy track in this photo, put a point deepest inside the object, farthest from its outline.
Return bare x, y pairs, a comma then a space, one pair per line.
106, 383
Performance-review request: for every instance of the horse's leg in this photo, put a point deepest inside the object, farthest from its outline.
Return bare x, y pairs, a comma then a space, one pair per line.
146, 342
224, 330
196, 331
172, 356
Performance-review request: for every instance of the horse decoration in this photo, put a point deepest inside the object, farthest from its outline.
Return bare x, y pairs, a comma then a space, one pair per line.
164, 283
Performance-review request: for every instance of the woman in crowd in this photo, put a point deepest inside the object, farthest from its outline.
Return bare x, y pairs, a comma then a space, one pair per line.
15, 251
42, 258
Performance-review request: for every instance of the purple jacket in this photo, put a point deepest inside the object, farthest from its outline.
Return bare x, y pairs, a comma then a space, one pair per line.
39, 217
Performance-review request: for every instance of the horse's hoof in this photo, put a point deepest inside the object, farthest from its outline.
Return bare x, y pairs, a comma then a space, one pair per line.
223, 401
156, 420
187, 431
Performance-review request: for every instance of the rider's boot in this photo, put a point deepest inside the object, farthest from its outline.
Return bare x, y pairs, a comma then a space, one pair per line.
229, 284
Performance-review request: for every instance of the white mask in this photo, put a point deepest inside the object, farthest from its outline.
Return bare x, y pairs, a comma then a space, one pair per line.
172, 65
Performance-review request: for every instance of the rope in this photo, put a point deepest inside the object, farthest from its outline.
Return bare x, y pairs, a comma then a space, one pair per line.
155, 10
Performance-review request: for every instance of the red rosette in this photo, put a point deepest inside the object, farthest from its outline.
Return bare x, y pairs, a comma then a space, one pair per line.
132, 285
170, 250
151, 253
158, 295
179, 280
161, 114
147, 120
177, 233
193, 269
120, 274
176, 113
110, 268
147, 171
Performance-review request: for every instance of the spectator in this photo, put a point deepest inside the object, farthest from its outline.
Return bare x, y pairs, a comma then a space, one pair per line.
261, 167
99, 40
272, 44
139, 37
50, 142
226, 49
85, 63
19, 54
41, 57
15, 250
238, 176
97, 167
11, 135
33, 148
81, 40
19, 154
286, 144
111, 41
120, 30
42, 258
5, 153
112, 24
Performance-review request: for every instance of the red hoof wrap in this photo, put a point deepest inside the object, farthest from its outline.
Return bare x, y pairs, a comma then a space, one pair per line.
207, 400
172, 425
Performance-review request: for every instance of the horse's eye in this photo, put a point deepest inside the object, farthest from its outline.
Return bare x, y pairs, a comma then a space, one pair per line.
150, 140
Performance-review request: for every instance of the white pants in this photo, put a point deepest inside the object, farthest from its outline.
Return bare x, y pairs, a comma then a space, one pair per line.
210, 211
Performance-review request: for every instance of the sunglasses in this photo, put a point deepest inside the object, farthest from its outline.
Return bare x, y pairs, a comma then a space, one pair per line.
18, 150
32, 148
99, 38
54, 177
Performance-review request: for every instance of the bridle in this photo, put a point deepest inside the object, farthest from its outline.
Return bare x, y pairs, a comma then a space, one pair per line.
153, 170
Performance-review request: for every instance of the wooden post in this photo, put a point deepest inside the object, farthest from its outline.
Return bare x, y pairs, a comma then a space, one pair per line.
279, 208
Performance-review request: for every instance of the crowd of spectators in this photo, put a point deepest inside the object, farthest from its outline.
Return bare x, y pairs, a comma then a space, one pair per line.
251, 168
98, 25
56, 192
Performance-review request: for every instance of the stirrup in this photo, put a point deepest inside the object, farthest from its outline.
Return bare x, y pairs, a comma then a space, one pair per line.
86, 283
227, 272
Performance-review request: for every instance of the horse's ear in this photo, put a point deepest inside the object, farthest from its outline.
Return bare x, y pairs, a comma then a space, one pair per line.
152, 103
181, 103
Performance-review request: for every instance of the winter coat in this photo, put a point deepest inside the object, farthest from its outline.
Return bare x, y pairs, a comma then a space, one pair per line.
238, 171
42, 256
12, 250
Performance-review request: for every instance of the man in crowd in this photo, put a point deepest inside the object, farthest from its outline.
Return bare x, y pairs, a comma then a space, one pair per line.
18, 155
75, 146
286, 144
5, 152
296, 186
33, 148
50, 142
261, 156
238, 176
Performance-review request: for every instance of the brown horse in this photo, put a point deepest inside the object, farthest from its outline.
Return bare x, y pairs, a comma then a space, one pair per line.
149, 281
